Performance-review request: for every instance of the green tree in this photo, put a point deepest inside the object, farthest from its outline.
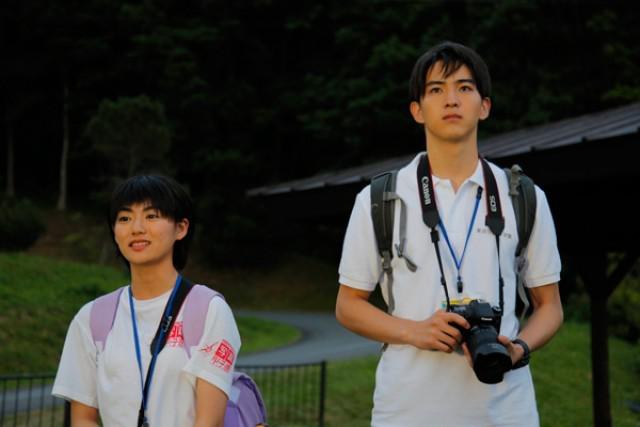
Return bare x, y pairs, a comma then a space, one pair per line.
131, 134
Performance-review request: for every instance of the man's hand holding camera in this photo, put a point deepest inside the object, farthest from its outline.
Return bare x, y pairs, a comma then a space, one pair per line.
441, 332
516, 351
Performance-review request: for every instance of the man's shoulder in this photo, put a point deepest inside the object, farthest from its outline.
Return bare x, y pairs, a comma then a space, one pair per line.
497, 170
407, 173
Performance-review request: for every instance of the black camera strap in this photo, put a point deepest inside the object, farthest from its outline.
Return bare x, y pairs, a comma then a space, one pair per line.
494, 219
430, 216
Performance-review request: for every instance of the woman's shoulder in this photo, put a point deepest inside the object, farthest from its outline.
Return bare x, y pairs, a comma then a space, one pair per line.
81, 322
110, 302
216, 301
204, 304
84, 314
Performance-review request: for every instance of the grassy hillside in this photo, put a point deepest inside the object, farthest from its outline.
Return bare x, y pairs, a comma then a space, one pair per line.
290, 283
39, 296
298, 282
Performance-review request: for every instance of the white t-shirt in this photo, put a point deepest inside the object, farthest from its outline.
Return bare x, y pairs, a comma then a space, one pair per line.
429, 388
109, 379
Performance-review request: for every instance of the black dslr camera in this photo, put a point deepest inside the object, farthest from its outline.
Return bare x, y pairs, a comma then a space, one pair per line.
490, 358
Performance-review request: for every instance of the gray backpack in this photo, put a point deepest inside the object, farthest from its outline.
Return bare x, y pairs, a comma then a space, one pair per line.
383, 197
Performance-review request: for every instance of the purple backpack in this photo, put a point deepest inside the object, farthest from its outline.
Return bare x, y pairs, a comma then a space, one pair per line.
245, 407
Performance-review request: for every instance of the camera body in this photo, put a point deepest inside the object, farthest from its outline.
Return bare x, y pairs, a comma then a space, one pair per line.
490, 358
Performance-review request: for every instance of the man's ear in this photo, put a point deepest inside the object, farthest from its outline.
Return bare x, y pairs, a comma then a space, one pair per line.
485, 108
416, 112
182, 228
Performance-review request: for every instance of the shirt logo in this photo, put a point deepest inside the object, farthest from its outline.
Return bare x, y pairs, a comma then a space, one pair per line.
486, 230
426, 193
493, 205
176, 339
223, 355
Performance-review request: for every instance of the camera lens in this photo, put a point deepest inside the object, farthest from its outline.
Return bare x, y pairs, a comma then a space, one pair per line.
490, 358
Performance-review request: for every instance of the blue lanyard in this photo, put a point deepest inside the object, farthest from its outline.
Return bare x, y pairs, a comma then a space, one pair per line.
163, 330
464, 250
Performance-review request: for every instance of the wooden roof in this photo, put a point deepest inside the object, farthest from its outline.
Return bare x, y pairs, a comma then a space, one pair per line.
606, 124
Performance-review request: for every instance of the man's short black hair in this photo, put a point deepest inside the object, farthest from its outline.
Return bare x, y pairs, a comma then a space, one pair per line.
453, 56
165, 195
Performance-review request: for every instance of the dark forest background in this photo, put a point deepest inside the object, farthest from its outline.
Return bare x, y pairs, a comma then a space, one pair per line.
228, 96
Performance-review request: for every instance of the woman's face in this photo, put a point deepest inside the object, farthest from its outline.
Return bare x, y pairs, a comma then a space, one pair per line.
145, 237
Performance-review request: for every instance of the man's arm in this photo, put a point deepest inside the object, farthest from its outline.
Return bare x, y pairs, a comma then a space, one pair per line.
83, 415
211, 403
546, 319
356, 313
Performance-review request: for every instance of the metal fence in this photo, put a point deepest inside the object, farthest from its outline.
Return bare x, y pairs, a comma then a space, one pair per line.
294, 396
25, 400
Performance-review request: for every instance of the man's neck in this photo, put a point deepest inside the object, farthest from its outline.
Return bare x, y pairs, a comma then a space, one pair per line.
453, 161
151, 281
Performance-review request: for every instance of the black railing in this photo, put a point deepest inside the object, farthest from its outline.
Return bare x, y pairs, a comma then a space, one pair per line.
25, 400
293, 394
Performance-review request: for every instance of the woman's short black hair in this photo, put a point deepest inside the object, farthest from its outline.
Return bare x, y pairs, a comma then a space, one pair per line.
165, 195
453, 56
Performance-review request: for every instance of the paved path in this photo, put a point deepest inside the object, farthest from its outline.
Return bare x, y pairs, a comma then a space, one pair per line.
322, 339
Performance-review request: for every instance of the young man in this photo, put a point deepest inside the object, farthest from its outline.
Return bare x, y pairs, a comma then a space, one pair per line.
423, 379
151, 220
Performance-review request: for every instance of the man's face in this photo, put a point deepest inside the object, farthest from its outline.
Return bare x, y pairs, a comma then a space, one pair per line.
450, 107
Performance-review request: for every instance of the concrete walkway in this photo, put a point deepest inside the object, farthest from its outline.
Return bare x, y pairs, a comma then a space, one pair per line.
323, 338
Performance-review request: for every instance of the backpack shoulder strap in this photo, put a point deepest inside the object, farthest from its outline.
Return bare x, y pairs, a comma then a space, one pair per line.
382, 216
382, 213
194, 315
102, 315
523, 195
383, 202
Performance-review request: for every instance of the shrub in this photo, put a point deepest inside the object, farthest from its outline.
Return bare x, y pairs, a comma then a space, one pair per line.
623, 310
20, 224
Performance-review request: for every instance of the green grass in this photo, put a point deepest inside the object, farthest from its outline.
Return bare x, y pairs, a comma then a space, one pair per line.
297, 282
562, 376
350, 392
259, 334
39, 296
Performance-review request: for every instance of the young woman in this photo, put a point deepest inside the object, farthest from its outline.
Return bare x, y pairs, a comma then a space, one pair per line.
151, 221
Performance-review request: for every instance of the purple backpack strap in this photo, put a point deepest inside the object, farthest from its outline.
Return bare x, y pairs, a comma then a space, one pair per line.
102, 316
194, 314
245, 407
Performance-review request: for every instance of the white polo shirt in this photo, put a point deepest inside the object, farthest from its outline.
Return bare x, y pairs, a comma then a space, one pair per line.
428, 388
108, 379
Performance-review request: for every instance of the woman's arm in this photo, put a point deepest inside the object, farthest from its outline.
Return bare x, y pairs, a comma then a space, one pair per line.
83, 415
211, 403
